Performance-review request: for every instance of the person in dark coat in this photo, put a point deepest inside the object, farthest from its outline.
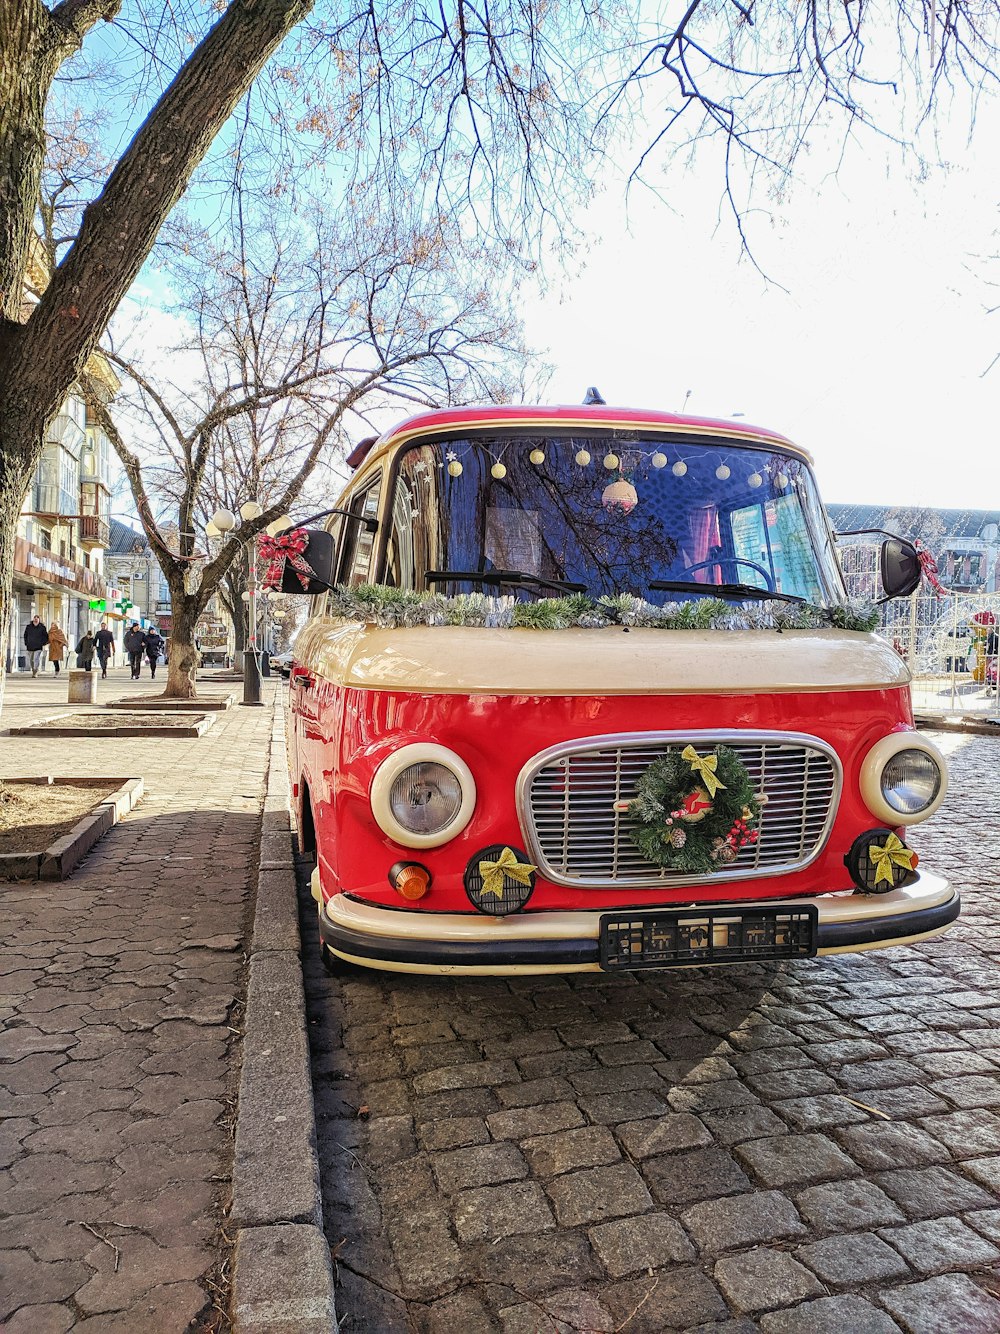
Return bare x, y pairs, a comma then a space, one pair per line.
104, 641
85, 651
35, 638
154, 647
135, 646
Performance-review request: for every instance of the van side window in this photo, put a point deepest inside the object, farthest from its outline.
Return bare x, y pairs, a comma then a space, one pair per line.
359, 543
414, 540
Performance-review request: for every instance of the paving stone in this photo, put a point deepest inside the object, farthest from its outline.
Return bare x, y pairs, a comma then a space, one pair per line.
953, 1304
842, 1206
742, 1123
629, 1105
931, 1191
454, 1132
711, 1097
566, 1312
489, 1213
970, 1090
43, 1319
986, 1222
883, 1145
792, 1159
647, 1242
662, 1134
940, 1244
823, 1109
903, 1102
761, 1279
539, 1264
472, 1074
481, 1165
879, 1074
677, 1299
681, 1178
523, 1122
591, 1146
830, 1315
847, 1261
966, 1133
742, 1220
984, 1170
23, 1279
534, 1092
597, 1193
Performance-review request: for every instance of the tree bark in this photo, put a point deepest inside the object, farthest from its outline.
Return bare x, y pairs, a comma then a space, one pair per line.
183, 660
13, 485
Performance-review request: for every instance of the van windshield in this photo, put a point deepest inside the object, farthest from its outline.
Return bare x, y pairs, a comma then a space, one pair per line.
606, 516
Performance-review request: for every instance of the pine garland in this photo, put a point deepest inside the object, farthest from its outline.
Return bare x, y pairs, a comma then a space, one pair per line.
669, 838
391, 608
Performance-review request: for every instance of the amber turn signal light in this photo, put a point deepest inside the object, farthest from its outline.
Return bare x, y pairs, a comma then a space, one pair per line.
410, 879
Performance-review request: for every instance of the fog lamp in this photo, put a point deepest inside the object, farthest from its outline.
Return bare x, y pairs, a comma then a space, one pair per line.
499, 880
879, 861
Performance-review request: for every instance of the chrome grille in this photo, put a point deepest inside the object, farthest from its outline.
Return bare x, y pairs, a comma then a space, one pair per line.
575, 835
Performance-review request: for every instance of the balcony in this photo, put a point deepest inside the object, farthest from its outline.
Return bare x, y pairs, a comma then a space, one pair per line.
163, 606
94, 531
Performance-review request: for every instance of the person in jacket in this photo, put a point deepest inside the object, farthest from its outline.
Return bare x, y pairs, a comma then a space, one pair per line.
104, 642
35, 638
135, 644
85, 651
154, 647
58, 645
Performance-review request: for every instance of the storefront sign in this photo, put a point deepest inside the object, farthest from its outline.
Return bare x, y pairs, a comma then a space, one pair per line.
48, 568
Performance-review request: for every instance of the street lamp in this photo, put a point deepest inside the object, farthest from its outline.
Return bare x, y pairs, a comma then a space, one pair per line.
250, 509
224, 520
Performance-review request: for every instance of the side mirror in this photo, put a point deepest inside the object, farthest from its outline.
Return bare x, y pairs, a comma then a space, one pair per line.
320, 555
899, 566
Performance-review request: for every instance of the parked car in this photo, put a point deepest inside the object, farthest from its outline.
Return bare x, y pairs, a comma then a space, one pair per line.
282, 662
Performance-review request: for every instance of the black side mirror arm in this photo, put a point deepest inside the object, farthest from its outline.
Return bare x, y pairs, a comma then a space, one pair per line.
371, 525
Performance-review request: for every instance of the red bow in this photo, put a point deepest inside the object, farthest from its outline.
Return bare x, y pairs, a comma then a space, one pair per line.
285, 547
929, 569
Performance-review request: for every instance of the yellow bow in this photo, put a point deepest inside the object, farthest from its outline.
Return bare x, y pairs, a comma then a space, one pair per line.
895, 853
706, 767
493, 873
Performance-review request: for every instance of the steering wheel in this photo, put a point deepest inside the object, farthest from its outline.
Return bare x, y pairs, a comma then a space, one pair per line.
733, 560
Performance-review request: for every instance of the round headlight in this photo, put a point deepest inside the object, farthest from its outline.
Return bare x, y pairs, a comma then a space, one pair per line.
425, 798
423, 795
910, 781
903, 779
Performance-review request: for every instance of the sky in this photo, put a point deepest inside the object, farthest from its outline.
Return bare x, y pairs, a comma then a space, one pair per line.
868, 343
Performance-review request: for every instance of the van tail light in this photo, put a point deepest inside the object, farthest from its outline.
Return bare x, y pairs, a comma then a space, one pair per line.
410, 879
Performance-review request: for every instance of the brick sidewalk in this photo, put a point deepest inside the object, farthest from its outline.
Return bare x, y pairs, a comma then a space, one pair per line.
117, 995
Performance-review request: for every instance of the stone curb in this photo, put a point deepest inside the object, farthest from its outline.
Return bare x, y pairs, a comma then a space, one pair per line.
194, 728
60, 857
156, 704
930, 722
282, 1274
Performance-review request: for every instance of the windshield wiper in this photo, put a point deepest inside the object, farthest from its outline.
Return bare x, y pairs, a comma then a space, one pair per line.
722, 590
498, 577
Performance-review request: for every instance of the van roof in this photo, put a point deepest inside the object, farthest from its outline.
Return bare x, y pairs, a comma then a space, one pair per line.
526, 416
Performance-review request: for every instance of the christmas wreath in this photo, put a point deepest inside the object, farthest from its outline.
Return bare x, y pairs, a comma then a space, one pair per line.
693, 813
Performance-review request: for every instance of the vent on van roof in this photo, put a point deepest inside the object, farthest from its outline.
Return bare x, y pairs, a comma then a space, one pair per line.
593, 396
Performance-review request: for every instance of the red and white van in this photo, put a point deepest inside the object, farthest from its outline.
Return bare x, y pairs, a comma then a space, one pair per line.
581, 689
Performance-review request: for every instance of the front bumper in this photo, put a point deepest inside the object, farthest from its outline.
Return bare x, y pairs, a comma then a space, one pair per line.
404, 940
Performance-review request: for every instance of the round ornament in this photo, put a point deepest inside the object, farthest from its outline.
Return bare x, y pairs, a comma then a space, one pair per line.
659, 459
723, 472
583, 458
611, 462
781, 480
706, 797
498, 471
679, 468
754, 480
621, 496
537, 456
454, 468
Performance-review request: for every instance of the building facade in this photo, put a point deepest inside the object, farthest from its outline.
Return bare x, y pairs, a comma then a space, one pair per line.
965, 543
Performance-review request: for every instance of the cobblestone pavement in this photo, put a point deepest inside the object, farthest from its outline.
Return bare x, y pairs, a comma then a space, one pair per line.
807, 1148
117, 991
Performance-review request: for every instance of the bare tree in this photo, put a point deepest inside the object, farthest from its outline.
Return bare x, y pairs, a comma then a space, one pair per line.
292, 342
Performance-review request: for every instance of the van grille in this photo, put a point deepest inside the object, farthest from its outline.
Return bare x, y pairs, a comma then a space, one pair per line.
578, 838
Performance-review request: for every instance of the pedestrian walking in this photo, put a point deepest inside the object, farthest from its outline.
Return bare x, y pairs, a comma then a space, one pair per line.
135, 644
85, 651
104, 642
154, 647
58, 645
35, 638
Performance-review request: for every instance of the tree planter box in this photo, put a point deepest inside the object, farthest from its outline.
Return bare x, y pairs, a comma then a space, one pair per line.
100, 725
151, 704
57, 860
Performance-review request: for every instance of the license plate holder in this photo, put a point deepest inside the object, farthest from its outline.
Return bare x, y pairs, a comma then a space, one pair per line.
686, 937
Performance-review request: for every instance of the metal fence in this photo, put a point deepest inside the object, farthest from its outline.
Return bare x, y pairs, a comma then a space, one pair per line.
945, 640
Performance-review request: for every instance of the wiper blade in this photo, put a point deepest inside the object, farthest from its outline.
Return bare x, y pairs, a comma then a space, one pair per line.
723, 590
498, 577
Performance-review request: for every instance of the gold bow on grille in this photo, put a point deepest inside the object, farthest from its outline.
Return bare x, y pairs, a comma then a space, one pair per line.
706, 767
506, 864
894, 853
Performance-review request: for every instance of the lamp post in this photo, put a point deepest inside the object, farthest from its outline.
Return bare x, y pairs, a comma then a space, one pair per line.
251, 668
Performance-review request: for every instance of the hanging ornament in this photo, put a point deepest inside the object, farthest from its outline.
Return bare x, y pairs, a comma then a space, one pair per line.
454, 468
659, 459
679, 468
498, 471
754, 480
537, 456
781, 481
611, 462
723, 472
582, 457
621, 496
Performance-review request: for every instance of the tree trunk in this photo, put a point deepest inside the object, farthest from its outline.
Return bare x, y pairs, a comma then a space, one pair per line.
13, 485
183, 654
